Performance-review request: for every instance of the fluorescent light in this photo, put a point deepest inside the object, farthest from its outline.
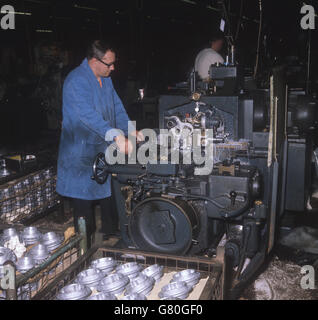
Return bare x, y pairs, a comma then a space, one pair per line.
85, 8
189, 1
212, 8
19, 13
44, 31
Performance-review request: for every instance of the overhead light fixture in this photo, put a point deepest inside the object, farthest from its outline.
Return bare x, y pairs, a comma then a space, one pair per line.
20, 13
43, 31
37, 1
85, 8
212, 8
189, 1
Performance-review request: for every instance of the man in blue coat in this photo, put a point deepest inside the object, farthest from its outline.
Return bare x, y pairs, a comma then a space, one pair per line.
91, 107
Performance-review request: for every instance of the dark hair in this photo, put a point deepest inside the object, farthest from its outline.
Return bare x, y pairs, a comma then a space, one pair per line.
97, 49
217, 36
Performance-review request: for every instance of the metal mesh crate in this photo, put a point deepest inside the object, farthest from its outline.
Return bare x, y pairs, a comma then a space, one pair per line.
31, 283
210, 268
28, 196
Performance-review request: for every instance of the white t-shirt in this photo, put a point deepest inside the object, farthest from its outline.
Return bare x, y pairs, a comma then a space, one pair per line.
204, 60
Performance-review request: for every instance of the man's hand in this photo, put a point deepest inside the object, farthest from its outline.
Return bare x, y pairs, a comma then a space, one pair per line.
139, 136
124, 145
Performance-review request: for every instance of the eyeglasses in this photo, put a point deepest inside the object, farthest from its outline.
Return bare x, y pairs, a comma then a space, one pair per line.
106, 64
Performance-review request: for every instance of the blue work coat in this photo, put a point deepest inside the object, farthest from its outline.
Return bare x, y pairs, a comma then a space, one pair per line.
89, 112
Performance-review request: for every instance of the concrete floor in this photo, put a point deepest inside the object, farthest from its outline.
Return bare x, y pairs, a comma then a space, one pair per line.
281, 279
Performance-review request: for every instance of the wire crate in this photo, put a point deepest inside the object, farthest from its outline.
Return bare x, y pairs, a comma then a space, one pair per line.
210, 268
34, 281
28, 196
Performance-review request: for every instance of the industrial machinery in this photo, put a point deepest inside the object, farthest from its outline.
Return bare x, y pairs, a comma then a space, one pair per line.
261, 167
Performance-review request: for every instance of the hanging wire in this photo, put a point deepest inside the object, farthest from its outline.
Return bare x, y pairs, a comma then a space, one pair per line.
259, 38
227, 18
239, 21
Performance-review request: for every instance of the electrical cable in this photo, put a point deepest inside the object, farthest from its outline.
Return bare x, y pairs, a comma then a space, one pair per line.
231, 215
194, 197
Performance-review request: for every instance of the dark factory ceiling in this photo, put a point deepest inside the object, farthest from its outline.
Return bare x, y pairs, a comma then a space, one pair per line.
174, 11
151, 26
91, 16
158, 8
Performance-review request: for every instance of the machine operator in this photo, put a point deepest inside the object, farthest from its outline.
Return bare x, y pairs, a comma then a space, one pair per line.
209, 56
91, 107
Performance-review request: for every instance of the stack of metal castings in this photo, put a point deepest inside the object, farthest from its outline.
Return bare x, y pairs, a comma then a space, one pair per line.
103, 297
39, 253
74, 292
190, 277
90, 278
155, 272
31, 236
25, 264
8, 234
134, 297
140, 285
107, 265
114, 284
5, 256
52, 241
128, 279
131, 269
178, 290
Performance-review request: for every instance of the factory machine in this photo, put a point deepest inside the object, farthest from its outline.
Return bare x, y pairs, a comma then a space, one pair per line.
262, 153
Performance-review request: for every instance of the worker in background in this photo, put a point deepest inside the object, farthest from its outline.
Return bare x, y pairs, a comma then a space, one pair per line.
209, 56
91, 108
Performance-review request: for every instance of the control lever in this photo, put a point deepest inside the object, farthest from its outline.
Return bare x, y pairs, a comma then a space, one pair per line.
233, 196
